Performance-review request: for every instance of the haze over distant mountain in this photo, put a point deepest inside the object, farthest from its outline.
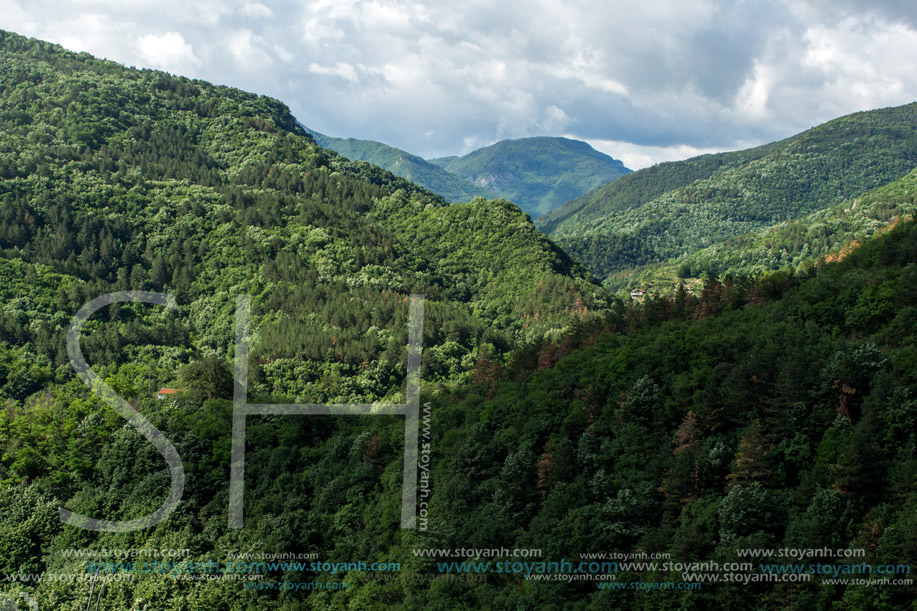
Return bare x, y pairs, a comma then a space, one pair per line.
538, 174
643, 227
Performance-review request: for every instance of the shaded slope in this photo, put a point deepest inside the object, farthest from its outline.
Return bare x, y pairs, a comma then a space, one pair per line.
784, 420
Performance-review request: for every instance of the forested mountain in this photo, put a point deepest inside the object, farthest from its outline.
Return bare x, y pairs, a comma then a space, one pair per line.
673, 210
539, 174
760, 414
827, 234
135, 179
756, 419
643, 186
406, 165
116, 179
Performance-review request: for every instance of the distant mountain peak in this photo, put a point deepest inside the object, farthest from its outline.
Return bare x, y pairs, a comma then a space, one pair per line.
538, 173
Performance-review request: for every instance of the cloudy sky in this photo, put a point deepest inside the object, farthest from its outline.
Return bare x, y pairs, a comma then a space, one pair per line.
644, 81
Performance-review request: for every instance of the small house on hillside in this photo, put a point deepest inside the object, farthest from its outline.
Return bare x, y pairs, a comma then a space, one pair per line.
168, 392
637, 294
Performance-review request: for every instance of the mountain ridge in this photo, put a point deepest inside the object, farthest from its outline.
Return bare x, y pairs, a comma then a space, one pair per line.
404, 164
657, 215
540, 172
537, 173
760, 414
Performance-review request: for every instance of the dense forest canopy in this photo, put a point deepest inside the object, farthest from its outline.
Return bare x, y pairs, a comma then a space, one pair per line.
115, 179
729, 213
538, 174
764, 413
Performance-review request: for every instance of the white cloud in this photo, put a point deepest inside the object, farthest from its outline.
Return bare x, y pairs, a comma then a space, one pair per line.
589, 71
201, 12
655, 80
388, 16
555, 120
14, 16
167, 51
249, 51
752, 98
282, 52
257, 11
340, 69
636, 157
865, 59
84, 33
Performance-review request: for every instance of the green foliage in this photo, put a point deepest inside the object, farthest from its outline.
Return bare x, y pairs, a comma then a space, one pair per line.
771, 412
825, 235
114, 179
208, 192
644, 186
765, 426
779, 206
209, 377
405, 165
539, 174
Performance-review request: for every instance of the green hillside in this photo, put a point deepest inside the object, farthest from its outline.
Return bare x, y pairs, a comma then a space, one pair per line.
826, 234
672, 210
539, 174
762, 414
184, 170
115, 179
405, 165
642, 186
756, 417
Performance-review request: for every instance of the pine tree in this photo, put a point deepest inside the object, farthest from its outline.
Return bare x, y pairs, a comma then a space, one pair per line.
751, 461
